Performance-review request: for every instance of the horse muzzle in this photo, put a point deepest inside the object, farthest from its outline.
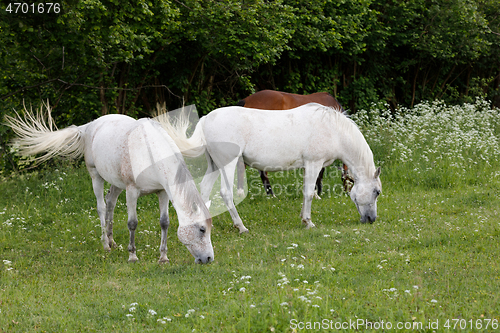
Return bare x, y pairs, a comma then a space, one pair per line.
368, 218
204, 260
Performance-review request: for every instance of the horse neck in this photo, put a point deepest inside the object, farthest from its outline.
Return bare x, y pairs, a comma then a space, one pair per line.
172, 173
355, 152
184, 195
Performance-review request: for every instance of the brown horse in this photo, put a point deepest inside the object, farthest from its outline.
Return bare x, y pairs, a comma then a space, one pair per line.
277, 100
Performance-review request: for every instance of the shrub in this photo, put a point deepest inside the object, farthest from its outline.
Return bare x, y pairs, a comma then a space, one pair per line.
433, 144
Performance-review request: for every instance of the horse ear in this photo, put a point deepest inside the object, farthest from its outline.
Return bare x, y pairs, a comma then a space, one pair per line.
377, 173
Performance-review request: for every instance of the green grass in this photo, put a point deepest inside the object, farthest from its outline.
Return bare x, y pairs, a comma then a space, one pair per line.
430, 259
443, 242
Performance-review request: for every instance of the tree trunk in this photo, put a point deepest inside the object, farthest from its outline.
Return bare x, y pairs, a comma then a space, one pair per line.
414, 86
102, 96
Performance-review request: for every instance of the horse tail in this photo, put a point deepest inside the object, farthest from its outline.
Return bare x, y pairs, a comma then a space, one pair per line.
190, 147
39, 135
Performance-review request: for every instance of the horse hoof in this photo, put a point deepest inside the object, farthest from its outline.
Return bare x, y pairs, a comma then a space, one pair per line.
132, 259
163, 261
240, 193
113, 245
244, 231
309, 224
107, 249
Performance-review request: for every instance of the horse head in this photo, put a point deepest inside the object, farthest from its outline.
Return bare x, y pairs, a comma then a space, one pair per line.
364, 194
195, 234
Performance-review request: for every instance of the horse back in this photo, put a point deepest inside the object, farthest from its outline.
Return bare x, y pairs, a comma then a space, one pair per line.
121, 149
323, 98
278, 100
269, 139
264, 100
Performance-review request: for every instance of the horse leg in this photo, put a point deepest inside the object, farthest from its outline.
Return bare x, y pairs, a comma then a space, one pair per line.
132, 196
111, 199
226, 192
267, 183
310, 175
164, 223
319, 183
98, 187
241, 176
208, 180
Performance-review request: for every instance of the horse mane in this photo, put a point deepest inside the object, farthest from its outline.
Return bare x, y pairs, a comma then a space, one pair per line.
184, 184
347, 127
186, 187
177, 127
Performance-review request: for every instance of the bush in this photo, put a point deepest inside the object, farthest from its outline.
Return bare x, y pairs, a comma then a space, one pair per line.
433, 144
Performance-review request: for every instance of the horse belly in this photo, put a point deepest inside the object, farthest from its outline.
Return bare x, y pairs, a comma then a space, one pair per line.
109, 168
285, 155
270, 165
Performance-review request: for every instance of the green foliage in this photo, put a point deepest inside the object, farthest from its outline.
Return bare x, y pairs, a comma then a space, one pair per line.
96, 57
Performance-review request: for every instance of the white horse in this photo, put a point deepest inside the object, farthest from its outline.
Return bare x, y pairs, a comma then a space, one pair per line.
311, 136
135, 155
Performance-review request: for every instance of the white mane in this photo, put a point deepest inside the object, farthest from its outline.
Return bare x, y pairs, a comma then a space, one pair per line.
348, 128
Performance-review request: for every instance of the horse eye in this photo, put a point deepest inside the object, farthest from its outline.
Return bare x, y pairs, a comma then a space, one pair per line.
202, 230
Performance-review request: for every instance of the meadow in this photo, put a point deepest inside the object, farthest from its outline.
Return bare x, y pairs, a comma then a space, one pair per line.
428, 264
